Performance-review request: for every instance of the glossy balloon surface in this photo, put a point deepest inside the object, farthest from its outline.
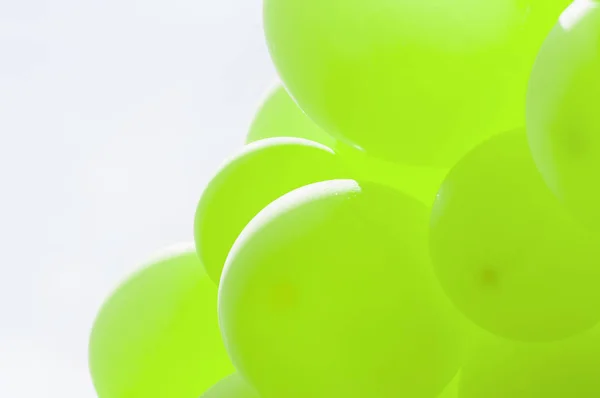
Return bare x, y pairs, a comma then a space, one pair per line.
505, 250
328, 292
501, 369
562, 117
233, 386
262, 172
418, 82
280, 116
157, 335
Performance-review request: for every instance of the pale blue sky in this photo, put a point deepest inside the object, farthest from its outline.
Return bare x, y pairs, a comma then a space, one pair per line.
113, 115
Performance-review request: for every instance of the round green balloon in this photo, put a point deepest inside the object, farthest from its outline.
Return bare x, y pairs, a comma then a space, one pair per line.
507, 253
562, 117
502, 369
233, 386
329, 292
262, 172
417, 82
157, 335
280, 116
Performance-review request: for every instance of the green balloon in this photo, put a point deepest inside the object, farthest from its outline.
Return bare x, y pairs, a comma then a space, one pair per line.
279, 116
564, 369
262, 172
562, 117
157, 335
417, 82
507, 253
328, 292
233, 386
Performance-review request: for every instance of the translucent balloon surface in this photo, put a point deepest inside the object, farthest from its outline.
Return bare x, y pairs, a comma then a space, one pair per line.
451, 390
562, 113
507, 253
328, 292
233, 386
421, 183
280, 116
417, 82
502, 369
157, 335
248, 182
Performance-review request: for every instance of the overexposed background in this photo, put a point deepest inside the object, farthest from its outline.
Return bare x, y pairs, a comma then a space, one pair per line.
113, 116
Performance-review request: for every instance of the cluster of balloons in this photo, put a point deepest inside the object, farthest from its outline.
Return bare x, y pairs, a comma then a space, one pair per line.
414, 215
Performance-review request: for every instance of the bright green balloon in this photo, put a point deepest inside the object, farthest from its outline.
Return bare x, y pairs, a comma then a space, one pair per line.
279, 116
507, 253
417, 82
157, 335
328, 292
563, 119
565, 369
262, 172
233, 386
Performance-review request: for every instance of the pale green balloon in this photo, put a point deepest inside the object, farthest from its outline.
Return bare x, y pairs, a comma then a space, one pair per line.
280, 116
563, 119
417, 82
564, 369
328, 292
157, 335
262, 172
233, 386
505, 250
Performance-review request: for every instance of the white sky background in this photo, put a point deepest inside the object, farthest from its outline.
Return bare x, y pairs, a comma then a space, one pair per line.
113, 116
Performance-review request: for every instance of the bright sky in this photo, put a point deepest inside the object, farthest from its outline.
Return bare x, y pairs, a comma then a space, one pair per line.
113, 116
